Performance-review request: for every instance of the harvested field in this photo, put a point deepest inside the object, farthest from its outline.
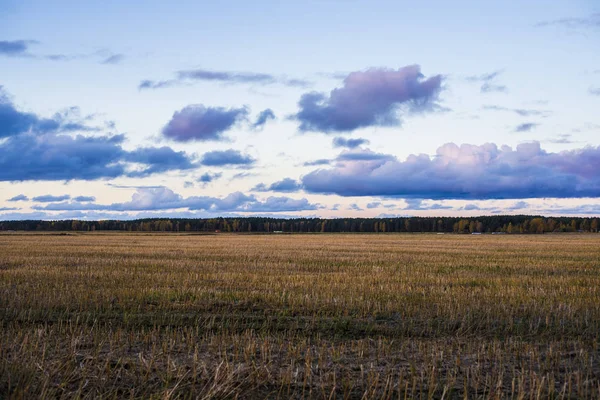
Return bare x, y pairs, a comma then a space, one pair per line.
368, 316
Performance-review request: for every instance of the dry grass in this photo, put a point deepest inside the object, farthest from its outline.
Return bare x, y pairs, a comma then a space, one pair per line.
299, 316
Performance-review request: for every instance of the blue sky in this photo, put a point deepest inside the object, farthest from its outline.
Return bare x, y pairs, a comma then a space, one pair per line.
314, 108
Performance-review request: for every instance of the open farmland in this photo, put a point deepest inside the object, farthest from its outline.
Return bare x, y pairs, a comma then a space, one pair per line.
299, 316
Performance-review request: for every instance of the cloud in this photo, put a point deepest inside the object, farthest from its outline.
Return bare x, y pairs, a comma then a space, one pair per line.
20, 48
354, 207
487, 82
363, 155
263, 117
377, 204
490, 87
14, 122
592, 21
227, 157
15, 48
227, 77
158, 159
321, 161
284, 185
526, 127
349, 143
243, 175
200, 123
36, 148
467, 172
63, 157
113, 59
60, 157
239, 77
369, 98
417, 205
519, 205
20, 197
486, 77
162, 198
277, 204
583, 209
208, 177
84, 199
48, 198
561, 139
148, 84
523, 112
594, 91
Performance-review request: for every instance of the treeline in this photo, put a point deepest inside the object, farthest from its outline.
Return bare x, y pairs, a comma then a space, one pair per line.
484, 224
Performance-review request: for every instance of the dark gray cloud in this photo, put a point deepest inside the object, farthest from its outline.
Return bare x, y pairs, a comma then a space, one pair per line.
314, 163
369, 98
113, 59
526, 127
263, 117
162, 198
284, 185
84, 199
14, 122
208, 177
200, 123
34, 149
48, 198
351, 155
467, 172
229, 157
64, 157
519, 205
15, 48
349, 143
227, 77
363, 155
58, 57
20, 197
158, 159
148, 84
471, 207
377, 204
591, 21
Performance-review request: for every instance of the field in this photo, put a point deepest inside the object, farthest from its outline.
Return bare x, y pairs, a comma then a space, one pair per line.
299, 316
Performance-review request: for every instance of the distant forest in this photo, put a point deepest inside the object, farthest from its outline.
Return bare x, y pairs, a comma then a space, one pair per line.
484, 224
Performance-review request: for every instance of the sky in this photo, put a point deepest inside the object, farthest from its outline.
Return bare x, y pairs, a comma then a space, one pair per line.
329, 108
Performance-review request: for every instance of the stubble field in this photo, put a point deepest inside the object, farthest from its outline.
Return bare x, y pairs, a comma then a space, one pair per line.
299, 316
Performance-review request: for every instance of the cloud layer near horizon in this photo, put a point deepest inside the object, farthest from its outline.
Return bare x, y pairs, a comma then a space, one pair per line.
465, 172
162, 198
